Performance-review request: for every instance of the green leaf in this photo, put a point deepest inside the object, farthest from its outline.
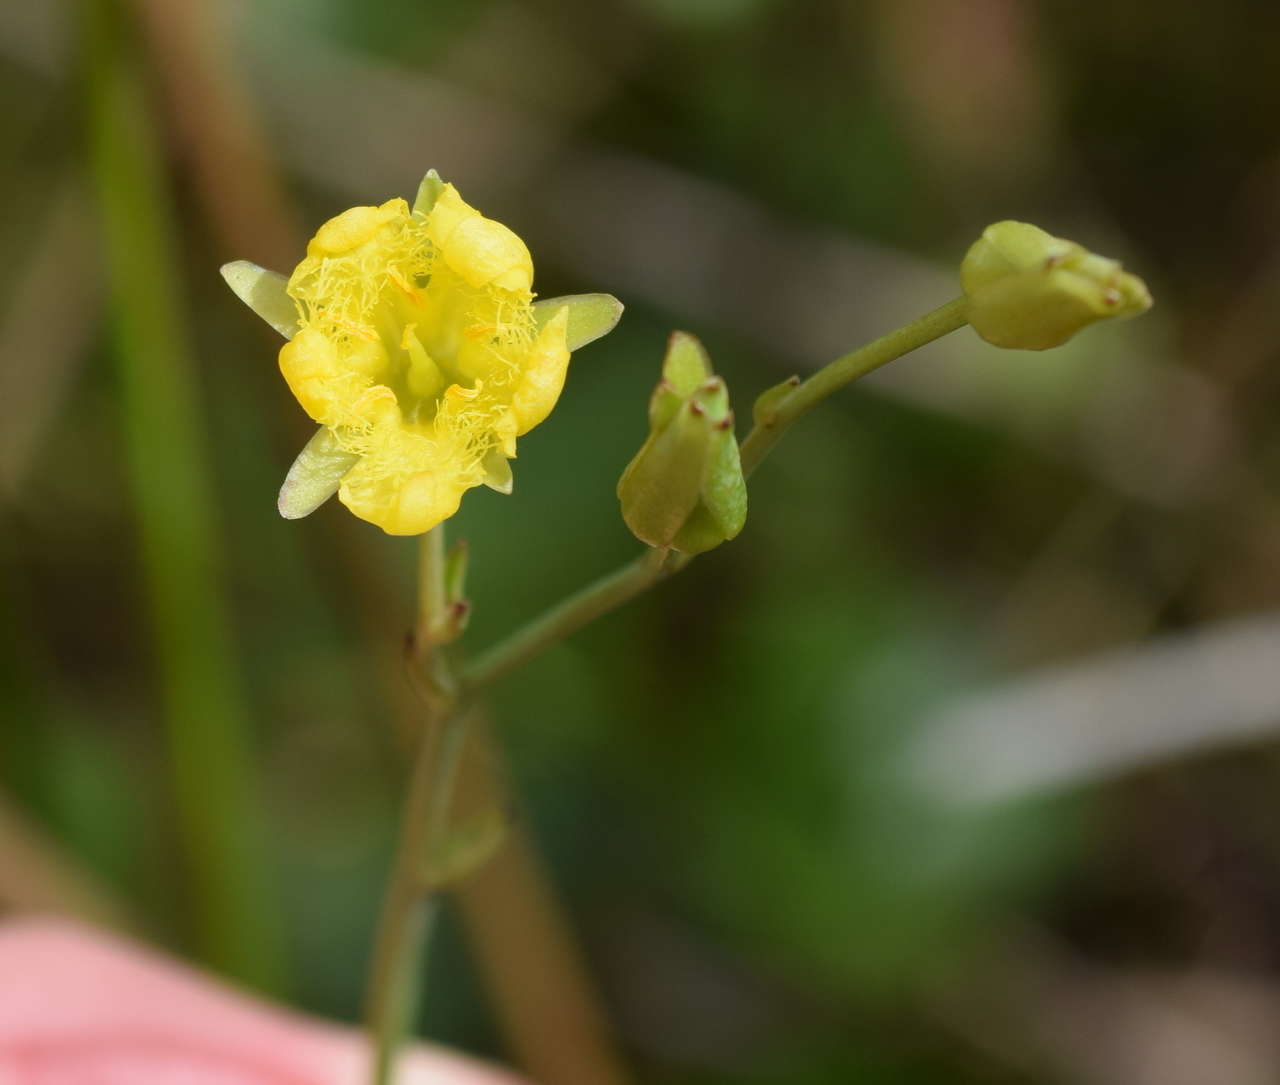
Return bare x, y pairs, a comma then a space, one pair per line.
590, 316
264, 292
314, 476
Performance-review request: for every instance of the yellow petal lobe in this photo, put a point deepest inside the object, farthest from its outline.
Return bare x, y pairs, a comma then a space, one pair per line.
543, 378
314, 373
354, 227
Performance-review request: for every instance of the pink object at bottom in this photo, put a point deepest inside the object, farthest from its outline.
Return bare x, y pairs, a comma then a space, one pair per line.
79, 1007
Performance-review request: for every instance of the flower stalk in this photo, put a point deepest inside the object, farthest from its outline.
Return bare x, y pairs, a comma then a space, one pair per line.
786, 409
568, 616
783, 406
408, 914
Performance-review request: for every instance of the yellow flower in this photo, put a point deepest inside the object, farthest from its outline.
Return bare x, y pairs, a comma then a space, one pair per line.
418, 348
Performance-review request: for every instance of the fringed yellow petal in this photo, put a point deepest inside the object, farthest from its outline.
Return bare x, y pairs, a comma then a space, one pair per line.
315, 375
505, 428
482, 252
374, 416
544, 371
446, 213
354, 227
406, 505
367, 358
486, 253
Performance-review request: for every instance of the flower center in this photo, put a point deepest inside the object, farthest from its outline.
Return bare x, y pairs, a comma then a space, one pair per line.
400, 317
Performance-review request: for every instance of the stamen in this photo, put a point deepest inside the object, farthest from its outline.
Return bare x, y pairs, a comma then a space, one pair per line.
457, 392
409, 291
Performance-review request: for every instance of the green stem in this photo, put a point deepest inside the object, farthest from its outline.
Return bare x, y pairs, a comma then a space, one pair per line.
400, 956
637, 576
566, 618
431, 591
845, 370
400, 950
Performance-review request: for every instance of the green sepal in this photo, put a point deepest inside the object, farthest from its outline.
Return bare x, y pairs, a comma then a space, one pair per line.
467, 848
721, 511
663, 405
590, 316
712, 398
264, 292
497, 471
686, 365
768, 402
660, 487
428, 192
314, 476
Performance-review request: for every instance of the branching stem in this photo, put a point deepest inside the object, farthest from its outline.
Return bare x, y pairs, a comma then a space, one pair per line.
637, 576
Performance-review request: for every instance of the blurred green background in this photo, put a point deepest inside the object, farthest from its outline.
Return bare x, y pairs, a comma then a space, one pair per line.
959, 765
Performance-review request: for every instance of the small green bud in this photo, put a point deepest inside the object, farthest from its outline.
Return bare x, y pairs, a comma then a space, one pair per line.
685, 489
1030, 290
765, 408
453, 621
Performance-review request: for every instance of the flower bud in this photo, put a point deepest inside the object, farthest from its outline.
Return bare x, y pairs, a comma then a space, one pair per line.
1030, 291
685, 489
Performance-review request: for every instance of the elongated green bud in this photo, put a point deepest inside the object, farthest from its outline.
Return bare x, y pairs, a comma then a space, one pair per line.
684, 489
1030, 290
